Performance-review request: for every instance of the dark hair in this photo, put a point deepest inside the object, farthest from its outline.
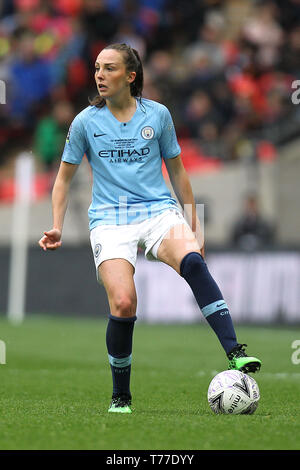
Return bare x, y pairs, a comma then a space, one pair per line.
133, 63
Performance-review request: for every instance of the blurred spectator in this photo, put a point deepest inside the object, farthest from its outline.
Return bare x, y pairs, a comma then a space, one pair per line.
31, 79
162, 69
251, 230
7, 8
289, 15
68, 7
264, 33
290, 57
210, 142
199, 112
150, 91
50, 134
100, 26
99, 22
126, 34
205, 58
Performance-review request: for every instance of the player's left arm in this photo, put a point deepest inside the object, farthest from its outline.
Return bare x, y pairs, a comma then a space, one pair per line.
182, 187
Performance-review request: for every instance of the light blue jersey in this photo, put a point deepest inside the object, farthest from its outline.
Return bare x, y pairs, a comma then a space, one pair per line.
126, 161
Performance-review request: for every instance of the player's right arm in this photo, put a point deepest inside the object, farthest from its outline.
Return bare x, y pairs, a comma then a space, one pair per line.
52, 238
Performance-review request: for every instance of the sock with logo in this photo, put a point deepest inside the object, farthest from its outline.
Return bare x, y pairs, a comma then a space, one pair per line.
209, 298
119, 334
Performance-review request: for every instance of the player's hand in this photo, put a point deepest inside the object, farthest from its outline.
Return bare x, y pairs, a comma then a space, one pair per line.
51, 240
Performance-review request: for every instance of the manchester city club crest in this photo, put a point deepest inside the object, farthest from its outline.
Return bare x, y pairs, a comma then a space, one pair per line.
97, 250
147, 133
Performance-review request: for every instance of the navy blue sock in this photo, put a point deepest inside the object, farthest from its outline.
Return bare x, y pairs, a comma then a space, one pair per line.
119, 334
209, 298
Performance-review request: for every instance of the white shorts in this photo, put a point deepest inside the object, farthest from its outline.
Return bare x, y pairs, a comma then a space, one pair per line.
122, 241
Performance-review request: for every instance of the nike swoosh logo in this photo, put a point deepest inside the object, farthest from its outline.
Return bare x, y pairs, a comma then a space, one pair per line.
220, 305
98, 135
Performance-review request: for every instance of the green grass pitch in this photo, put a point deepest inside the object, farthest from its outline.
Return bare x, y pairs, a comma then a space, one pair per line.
56, 388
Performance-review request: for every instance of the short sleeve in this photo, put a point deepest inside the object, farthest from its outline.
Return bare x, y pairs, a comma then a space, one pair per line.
76, 144
168, 144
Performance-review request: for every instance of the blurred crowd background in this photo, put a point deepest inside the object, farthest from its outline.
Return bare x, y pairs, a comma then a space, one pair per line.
224, 68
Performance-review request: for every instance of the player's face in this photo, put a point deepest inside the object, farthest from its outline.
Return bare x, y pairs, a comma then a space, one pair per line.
111, 76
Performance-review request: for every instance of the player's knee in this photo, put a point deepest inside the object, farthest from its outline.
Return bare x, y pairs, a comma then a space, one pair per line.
124, 306
191, 263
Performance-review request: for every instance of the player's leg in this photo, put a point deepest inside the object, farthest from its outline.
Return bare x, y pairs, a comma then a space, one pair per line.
180, 250
117, 278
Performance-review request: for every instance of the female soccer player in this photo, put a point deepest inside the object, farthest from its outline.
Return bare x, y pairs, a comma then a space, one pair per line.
125, 138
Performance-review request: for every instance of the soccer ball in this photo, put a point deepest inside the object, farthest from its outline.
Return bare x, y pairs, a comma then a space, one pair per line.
232, 392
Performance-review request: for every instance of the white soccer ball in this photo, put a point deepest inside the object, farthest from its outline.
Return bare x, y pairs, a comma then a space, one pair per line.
232, 392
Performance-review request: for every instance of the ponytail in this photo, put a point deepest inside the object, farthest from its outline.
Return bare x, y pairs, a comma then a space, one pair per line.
136, 87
